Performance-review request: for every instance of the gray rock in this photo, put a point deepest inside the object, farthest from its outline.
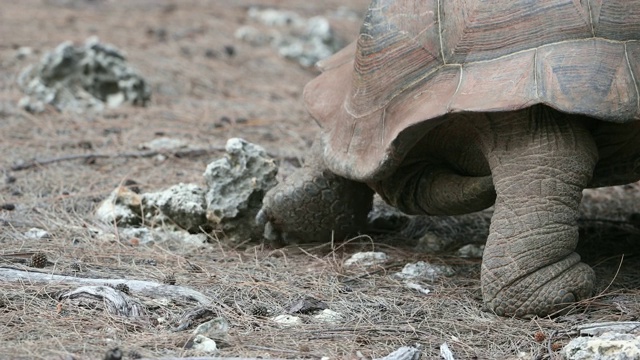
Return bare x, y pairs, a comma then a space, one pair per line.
122, 207
432, 243
471, 251
37, 233
204, 345
144, 235
182, 205
217, 329
304, 40
81, 78
163, 143
424, 271
287, 320
367, 258
329, 316
608, 346
237, 183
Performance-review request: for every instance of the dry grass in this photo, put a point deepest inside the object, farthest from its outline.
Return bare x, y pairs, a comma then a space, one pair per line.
191, 92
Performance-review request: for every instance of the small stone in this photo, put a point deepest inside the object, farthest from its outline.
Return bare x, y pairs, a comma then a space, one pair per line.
182, 205
122, 206
163, 143
329, 316
417, 287
432, 244
471, 251
139, 235
204, 345
217, 328
36, 233
287, 320
608, 346
368, 258
23, 52
424, 271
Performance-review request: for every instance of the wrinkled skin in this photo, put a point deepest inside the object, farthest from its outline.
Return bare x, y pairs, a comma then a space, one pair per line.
532, 164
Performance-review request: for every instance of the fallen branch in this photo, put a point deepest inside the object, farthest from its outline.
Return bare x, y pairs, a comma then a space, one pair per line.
180, 153
115, 302
146, 288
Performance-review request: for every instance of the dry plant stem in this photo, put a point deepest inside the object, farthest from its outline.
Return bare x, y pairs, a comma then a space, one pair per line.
140, 154
147, 288
182, 153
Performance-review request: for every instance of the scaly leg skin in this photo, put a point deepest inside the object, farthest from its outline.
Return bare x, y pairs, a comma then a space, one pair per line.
540, 160
533, 164
313, 204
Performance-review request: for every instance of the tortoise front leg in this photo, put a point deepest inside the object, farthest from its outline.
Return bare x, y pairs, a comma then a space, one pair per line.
314, 204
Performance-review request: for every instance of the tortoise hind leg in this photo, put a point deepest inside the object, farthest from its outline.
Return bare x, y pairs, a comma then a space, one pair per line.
314, 204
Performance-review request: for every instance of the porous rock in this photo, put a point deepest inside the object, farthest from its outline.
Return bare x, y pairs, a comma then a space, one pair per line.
236, 185
471, 251
122, 207
163, 143
608, 346
422, 270
37, 233
80, 78
304, 40
217, 328
329, 316
182, 205
144, 235
367, 258
287, 320
204, 345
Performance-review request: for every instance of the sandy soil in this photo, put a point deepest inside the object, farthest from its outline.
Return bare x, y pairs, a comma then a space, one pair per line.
204, 93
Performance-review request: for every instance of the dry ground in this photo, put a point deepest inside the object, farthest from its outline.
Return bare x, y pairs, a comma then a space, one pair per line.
195, 84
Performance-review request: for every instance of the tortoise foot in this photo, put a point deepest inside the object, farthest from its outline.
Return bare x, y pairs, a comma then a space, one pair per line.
314, 205
547, 291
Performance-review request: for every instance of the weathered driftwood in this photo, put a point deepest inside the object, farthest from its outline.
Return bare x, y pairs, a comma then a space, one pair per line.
146, 288
115, 302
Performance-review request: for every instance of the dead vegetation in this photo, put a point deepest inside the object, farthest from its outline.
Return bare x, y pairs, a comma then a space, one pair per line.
204, 95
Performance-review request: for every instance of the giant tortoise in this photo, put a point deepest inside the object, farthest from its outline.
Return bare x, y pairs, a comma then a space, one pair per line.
450, 107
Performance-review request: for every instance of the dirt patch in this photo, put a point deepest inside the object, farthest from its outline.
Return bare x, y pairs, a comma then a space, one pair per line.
207, 87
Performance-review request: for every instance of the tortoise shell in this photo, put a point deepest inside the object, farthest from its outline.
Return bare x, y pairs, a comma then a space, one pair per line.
417, 60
